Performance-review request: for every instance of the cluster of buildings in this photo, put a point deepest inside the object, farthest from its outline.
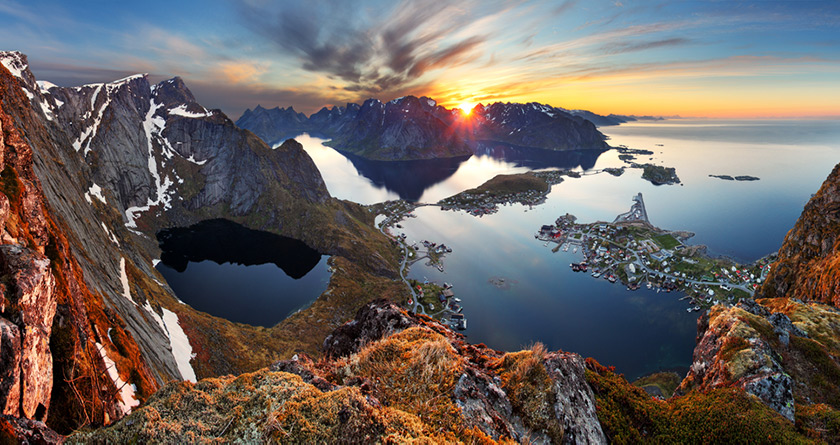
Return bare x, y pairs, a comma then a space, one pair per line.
635, 255
486, 203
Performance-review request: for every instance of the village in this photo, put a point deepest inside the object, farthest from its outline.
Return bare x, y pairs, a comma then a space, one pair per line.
428, 298
633, 252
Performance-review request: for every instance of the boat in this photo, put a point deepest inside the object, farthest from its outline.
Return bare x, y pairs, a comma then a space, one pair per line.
546, 244
565, 248
612, 278
696, 308
575, 250
440, 267
649, 285
688, 310
457, 300
596, 274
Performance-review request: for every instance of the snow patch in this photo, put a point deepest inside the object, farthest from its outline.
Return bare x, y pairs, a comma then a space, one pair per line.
110, 234
181, 110
153, 126
124, 280
127, 79
127, 392
192, 159
45, 86
148, 307
13, 61
181, 349
87, 134
95, 191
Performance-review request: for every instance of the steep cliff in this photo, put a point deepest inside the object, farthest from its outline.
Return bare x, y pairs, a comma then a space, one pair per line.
91, 174
808, 267
66, 352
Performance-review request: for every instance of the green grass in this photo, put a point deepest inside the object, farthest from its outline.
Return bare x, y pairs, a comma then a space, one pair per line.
666, 241
667, 382
508, 184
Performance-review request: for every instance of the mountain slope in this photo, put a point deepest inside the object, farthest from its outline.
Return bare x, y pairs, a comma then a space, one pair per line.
808, 267
412, 128
120, 161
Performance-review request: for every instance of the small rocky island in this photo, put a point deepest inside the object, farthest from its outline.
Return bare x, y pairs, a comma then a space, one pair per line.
659, 175
735, 178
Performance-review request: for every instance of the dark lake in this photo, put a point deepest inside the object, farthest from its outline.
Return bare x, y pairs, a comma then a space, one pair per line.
242, 275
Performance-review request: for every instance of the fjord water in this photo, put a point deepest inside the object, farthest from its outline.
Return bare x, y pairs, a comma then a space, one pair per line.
638, 332
242, 275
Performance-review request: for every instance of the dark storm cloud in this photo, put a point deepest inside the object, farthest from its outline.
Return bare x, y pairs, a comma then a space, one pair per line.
372, 51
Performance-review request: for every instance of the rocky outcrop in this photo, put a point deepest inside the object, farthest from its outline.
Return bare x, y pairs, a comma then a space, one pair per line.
30, 289
767, 349
411, 128
27, 431
450, 391
808, 266
732, 352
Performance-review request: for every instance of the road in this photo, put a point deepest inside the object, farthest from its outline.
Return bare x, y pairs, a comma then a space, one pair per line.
416, 307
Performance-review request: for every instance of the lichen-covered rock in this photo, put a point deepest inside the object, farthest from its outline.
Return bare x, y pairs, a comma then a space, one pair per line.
733, 352
574, 400
373, 321
257, 408
27, 431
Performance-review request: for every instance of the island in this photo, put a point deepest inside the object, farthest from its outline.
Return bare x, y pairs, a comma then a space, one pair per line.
632, 251
530, 188
659, 175
735, 178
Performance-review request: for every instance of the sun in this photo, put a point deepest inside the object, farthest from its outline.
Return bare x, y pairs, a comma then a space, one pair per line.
466, 107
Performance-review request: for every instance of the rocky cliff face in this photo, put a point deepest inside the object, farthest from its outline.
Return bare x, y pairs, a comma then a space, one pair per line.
530, 125
65, 348
417, 128
90, 174
808, 267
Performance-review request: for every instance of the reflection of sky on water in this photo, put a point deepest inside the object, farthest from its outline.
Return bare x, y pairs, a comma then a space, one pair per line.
641, 331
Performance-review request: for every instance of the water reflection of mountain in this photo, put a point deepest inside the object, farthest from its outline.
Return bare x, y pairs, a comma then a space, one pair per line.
224, 241
535, 158
408, 179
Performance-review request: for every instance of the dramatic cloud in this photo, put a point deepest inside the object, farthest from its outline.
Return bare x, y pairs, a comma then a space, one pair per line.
372, 52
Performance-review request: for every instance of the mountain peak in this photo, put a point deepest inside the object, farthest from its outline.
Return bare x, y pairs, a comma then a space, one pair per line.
15, 61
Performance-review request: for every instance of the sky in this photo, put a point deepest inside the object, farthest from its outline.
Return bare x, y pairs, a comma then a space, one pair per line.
725, 59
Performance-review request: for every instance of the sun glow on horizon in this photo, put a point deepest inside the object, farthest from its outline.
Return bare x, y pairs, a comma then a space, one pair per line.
466, 108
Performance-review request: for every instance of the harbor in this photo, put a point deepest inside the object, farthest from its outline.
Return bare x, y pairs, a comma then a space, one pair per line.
632, 251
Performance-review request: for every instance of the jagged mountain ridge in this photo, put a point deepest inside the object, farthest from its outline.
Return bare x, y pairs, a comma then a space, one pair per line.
417, 128
120, 161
